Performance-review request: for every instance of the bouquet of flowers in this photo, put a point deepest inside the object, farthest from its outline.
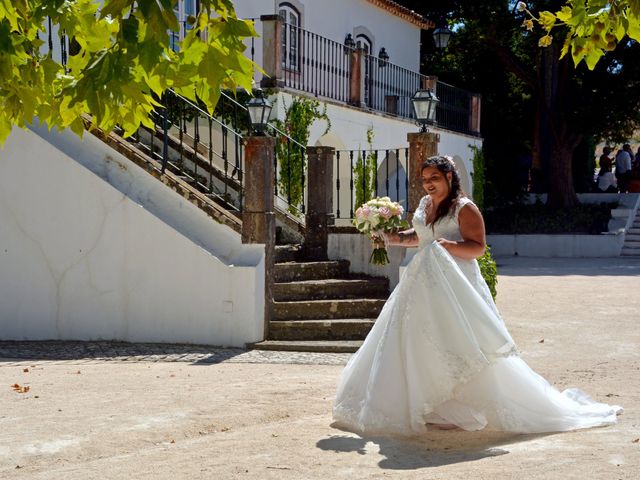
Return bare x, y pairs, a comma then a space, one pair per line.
374, 218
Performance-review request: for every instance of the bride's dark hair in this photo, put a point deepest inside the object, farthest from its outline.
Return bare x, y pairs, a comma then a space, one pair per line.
445, 165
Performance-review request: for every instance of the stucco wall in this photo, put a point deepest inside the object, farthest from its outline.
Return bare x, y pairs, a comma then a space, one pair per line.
333, 19
92, 247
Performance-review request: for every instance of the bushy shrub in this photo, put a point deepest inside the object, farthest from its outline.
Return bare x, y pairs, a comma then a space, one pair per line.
539, 218
489, 271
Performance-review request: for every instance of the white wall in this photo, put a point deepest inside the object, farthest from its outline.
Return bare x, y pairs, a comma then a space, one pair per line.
357, 248
335, 18
349, 131
93, 247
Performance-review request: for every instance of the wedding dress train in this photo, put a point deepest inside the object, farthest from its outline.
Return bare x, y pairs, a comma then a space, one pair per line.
439, 353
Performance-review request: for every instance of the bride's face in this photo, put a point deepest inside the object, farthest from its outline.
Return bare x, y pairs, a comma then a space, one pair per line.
436, 183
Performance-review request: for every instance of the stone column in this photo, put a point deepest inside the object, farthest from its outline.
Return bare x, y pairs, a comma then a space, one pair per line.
474, 113
319, 201
429, 82
421, 146
272, 51
258, 216
356, 78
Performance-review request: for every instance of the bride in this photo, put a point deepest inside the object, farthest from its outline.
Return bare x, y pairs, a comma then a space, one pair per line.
439, 355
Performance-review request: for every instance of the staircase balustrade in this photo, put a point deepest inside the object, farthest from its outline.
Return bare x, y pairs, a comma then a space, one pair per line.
387, 178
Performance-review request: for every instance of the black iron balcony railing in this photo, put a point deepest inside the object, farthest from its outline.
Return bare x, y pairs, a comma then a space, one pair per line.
315, 64
324, 68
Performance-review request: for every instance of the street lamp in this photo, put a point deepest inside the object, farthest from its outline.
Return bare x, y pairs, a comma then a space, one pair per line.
424, 106
259, 109
349, 44
383, 58
441, 36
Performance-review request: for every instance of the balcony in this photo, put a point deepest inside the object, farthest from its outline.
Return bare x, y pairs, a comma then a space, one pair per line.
303, 61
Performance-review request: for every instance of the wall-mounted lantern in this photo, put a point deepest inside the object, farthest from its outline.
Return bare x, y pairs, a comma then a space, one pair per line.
424, 106
259, 109
383, 58
349, 44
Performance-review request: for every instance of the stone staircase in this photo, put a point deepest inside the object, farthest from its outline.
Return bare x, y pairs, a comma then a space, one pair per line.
320, 306
631, 247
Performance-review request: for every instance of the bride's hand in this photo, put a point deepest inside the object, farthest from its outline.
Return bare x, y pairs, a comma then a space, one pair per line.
446, 244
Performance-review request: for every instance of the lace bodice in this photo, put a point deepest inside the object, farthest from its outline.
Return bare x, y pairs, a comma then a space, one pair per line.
446, 227
449, 228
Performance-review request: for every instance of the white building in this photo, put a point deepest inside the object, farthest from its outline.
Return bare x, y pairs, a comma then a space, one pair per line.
368, 87
93, 247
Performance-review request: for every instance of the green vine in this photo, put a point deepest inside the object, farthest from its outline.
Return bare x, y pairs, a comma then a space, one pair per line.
478, 176
365, 172
290, 156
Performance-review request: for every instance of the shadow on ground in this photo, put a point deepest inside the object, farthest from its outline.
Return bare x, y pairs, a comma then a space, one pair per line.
434, 449
116, 351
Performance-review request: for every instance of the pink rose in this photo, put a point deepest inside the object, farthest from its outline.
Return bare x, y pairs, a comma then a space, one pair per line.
385, 213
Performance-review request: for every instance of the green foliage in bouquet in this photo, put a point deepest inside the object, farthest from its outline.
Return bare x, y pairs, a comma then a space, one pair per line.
489, 271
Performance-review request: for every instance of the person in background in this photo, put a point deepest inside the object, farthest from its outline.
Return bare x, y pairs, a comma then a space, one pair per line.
605, 160
623, 167
636, 163
606, 182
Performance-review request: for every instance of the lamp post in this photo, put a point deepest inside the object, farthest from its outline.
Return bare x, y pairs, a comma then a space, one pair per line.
259, 109
424, 107
441, 36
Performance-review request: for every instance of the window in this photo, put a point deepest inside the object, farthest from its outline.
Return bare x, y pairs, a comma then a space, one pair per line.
364, 43
290, 36
183, 9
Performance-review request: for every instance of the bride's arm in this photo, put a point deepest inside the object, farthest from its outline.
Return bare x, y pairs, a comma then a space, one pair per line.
472, 231
404, 238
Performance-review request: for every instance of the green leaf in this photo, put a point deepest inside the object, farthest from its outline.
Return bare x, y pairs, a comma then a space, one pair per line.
115, 8
592, 58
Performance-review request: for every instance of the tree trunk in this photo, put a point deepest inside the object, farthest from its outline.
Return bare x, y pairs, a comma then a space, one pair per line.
556, 140
562, 193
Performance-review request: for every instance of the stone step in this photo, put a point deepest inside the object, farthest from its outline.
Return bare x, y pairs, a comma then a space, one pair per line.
634, 231
323, 309
634, 237
322, 346
331, 288
631, 243
336, 329
630, 252
300, 271
288, 253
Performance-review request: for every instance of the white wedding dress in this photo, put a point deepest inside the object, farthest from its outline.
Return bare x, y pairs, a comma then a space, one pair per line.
439, 353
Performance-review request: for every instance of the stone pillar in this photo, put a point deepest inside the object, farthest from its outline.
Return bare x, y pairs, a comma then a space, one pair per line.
258, 216
421, 146
429, 82
272, 51
474, 113
356, 78
319, 201
258, 213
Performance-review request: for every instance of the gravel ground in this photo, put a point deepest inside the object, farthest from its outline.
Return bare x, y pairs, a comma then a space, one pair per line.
121, 411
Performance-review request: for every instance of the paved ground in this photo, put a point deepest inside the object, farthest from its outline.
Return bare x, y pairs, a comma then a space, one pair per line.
116, 411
